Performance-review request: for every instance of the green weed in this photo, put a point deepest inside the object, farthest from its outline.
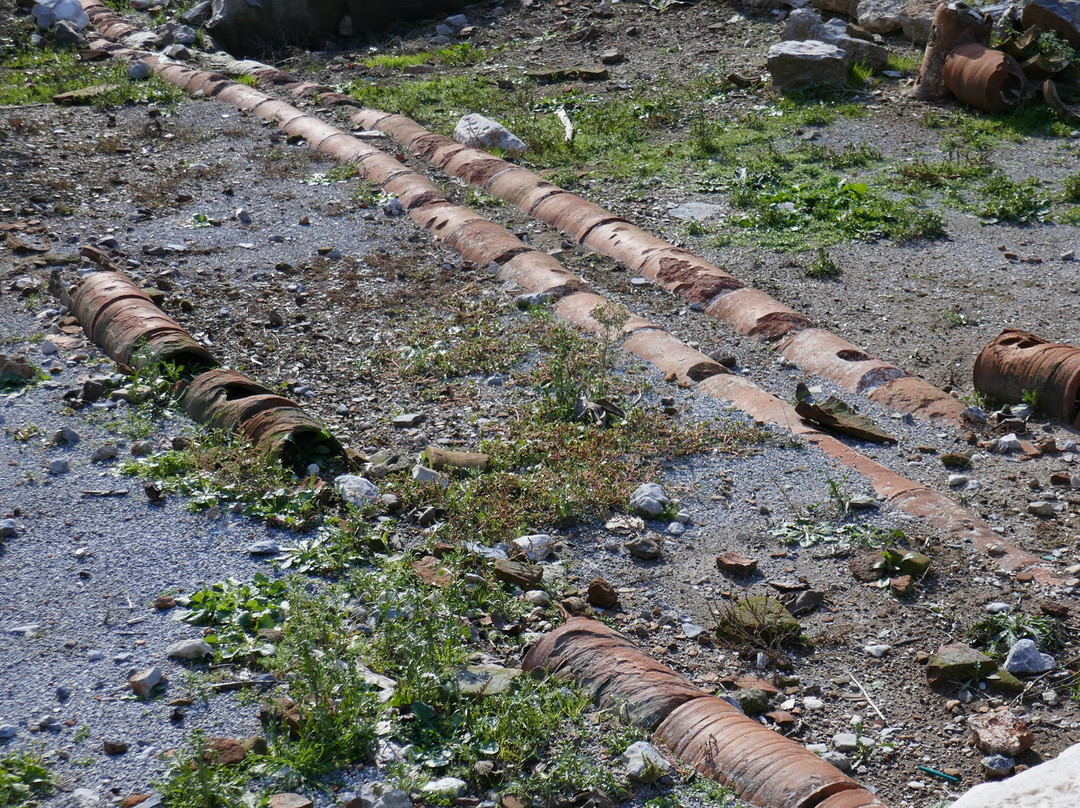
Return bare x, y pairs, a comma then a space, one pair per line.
807, 532
997, 633
24, 778
237, 612
193, 782
823, 267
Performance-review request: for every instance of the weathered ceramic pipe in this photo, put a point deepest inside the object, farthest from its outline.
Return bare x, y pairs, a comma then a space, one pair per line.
708, 733
536, 271
748, 311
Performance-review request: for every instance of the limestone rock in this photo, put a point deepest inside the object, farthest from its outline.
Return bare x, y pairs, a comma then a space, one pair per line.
1025, 658
644, 764
795, 65
805, 23
649, 499
1053, 784
189, 649
846, 7
447, 787
917, 18
880, 16
357, 491
480, 132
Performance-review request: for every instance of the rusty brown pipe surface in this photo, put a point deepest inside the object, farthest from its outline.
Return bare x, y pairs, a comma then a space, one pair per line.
117, 315
985, 78
723, 296
575, 301
278, 427
708, 733
1016, 363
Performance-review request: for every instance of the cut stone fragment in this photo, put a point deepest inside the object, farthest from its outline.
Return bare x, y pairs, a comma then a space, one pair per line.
795, 65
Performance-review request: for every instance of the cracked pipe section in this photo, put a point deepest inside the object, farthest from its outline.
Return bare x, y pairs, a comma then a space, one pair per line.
117, 315
535, 271
125, 323
747, 310
1018, 363
704, 731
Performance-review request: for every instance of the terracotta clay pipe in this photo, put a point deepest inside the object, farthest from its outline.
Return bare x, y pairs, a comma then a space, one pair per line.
748, 311
536, 271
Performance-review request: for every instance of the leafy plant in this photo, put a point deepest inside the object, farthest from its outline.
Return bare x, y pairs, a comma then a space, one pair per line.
236, 612
1003, 200
823, 267
997, 633
806, 532
24, 778
193, 782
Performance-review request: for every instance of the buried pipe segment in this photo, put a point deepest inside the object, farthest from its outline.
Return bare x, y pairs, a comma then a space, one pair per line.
536, 271
1017, 364
706, 732
121, 319
748, 311
118, 316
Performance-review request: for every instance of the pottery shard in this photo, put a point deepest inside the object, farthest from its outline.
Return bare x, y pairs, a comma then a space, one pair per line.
1060, 16
611, 670
145, 681
736, 564
795, 65
223, 752
1000, 733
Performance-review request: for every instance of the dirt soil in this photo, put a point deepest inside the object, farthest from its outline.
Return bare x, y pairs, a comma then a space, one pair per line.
345, 280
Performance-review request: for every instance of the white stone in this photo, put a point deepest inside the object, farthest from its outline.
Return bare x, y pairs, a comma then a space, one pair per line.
446, 787
644, 763
50, 12
1007, 443
1053, 784
189, 649
649, 499
877, 651
1024, 658
483, 133
537, 547
812, 703
355, 490
806, 24
1041, 508
881, 16
845, 742
422, 474
958, 480
795, 65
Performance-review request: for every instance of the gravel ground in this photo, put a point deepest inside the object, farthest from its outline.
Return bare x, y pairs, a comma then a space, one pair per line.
350, 281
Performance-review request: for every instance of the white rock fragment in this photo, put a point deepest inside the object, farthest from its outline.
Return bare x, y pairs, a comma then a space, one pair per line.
483, 133
644, 763
189, 649
649, 499
355, 490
